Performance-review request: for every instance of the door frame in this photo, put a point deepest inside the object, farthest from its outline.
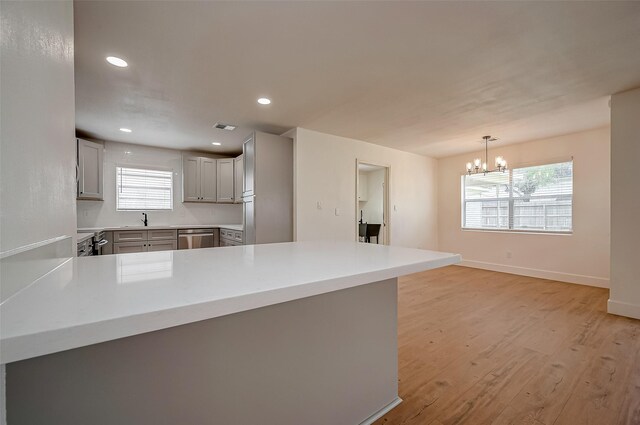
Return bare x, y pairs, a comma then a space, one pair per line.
386, 197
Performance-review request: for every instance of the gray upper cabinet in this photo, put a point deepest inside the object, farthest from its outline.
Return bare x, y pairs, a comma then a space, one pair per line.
90, 170
191, 179
249, 153
225, 180
207, 180
238, 178
198, 179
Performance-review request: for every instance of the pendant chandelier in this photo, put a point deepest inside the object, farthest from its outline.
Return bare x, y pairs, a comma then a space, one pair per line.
481, 167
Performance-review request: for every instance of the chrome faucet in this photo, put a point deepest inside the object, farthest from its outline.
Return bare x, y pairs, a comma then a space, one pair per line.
145, 220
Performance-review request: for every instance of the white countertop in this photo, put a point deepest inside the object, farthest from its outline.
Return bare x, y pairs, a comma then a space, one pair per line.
165, 226
83, 236
89, 300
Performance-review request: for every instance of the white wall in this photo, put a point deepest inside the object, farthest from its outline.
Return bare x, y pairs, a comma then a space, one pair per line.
625, 204
325, 172
104, 214
37, 144
582, 257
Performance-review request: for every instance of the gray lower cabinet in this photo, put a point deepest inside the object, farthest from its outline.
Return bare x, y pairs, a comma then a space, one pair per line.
129, 247
229, 237
162, 245
128, 241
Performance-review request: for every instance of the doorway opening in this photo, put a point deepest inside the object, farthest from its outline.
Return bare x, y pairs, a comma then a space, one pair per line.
372, 203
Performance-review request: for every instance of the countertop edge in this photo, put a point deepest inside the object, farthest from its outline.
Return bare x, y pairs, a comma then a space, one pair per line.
49, 342
160, 227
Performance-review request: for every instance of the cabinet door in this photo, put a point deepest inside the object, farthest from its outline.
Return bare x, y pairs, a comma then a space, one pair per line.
190, 179
162, 246
129, 247
249, 217
90, 156
249, 154
225, 180
207, 180
238, 178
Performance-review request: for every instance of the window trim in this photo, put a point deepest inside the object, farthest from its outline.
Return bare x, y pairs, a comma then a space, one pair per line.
149, 168
510, 200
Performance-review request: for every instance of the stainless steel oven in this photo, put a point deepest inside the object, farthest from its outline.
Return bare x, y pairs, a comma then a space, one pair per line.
99, 241
197, 238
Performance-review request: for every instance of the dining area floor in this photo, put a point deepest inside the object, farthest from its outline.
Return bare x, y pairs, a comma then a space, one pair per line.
482, 347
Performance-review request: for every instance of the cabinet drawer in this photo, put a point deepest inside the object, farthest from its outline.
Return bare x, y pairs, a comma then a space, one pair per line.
228, 242
129, 247
162, 246
129, 235
156, 235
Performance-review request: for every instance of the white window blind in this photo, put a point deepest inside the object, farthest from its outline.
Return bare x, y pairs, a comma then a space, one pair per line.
143, 189
537, 198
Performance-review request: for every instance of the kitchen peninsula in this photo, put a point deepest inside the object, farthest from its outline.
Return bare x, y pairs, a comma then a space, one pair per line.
287, 333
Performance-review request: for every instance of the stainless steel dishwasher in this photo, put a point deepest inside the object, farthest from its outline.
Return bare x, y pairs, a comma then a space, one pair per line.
198, 238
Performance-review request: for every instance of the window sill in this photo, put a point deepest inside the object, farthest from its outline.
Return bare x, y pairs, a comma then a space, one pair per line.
520, 232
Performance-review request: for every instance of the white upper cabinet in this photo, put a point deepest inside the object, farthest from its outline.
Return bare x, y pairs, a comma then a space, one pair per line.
238, 171
363, 187
198, 179
89, 170
225, 180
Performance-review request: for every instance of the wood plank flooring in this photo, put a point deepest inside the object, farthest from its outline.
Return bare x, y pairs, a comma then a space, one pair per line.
481, 347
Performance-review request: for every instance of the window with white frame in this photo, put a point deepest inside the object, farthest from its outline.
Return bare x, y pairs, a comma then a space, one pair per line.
143, 189
533, 199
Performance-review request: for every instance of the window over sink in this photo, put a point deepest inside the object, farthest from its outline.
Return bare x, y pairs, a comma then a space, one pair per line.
141, 189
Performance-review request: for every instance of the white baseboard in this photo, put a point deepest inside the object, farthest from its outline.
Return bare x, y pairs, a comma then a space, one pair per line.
380, 413
623, 309
599, 282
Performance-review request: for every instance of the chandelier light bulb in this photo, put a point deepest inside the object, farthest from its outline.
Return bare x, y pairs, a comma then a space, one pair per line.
469, 166
498, 161
484, 166
476, 162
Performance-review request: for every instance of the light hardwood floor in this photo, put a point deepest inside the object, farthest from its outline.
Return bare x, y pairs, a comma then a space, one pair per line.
481, 347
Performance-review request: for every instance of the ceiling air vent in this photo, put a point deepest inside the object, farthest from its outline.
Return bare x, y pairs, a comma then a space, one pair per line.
227, 127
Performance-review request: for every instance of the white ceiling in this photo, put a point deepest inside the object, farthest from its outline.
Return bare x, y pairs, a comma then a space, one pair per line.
425, 77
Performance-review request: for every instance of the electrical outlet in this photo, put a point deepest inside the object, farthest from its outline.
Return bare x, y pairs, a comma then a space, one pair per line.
395, 208
319, 205
337, 211
508, 254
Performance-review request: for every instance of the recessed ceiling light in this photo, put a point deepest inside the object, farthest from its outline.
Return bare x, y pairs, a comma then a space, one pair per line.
125, 130
115, 61
216, 143
264, 101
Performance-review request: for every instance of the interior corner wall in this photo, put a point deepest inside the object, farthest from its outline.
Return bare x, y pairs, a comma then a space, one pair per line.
625, 204
581, 257
37, 147
325, 173
105, 214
